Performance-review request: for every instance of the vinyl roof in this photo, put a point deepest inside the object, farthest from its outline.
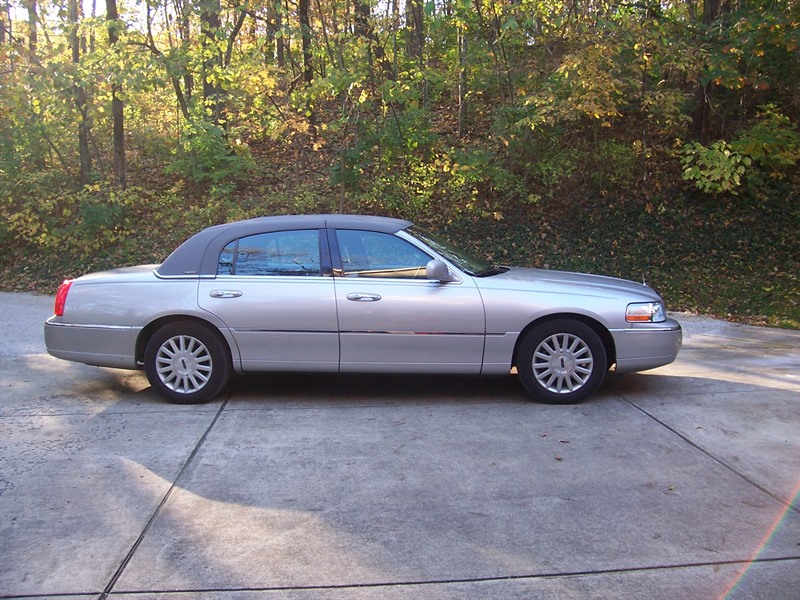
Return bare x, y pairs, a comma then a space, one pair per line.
199, 254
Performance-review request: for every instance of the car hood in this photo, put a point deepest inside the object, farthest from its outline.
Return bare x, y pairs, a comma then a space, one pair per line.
519, 279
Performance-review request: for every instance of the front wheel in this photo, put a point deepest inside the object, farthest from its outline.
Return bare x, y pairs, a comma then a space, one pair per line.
187, 363
561, 362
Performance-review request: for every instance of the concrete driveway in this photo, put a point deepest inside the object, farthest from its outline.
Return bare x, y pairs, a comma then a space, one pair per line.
677, 483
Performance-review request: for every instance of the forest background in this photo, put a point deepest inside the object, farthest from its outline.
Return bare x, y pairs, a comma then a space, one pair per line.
653, 139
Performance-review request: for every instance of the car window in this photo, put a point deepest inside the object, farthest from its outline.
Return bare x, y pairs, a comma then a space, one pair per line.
373, 254
272, 254
463, 260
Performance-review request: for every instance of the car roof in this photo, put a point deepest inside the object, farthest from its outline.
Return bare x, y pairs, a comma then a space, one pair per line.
199, 254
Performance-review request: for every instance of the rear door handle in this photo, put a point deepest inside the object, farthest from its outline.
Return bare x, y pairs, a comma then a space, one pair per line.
358, 297
225, 293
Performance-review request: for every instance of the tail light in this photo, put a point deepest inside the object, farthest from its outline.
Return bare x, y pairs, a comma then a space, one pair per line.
61, 297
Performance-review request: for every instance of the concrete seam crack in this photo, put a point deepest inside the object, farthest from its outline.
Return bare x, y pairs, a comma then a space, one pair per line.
129, 556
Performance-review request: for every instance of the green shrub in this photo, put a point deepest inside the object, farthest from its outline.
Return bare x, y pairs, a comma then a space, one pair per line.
772, 143
770, 149
206, 155
716, 169
615, 165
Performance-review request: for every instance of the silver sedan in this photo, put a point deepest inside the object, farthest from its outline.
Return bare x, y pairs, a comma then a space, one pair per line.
343, 293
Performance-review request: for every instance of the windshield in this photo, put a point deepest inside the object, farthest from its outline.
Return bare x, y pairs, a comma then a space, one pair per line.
460, 258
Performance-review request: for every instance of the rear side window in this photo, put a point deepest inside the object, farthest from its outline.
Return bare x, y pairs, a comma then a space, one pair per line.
280, 253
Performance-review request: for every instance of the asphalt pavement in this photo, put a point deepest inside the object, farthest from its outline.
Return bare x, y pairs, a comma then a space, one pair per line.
677, 483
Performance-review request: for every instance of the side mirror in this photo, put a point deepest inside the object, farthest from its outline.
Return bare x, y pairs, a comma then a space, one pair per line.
436, 270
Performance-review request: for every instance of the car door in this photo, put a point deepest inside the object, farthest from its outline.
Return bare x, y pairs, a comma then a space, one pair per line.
393, 319
272, 292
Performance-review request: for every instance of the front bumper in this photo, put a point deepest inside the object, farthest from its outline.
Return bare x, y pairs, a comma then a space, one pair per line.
647, 346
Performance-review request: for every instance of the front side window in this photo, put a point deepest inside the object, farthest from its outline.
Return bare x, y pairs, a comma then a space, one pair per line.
373, 254
280, 253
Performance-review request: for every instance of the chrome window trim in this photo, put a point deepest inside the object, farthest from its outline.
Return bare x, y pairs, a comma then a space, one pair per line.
187, 276
268, 277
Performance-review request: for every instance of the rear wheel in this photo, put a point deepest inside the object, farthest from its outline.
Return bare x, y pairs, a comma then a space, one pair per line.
562, 362
187, 362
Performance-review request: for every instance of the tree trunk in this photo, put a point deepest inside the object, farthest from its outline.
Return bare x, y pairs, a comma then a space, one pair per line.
117, 107
182, 99
308, 71
701, 121
37, 142
415, 44
462, 82
711, 10
363, 28
33, 33
209, 27
3, 24
324, 26
80, 98
185, 32
280, 54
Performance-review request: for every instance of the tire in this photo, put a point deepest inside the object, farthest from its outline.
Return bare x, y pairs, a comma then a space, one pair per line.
187, 362
561, 362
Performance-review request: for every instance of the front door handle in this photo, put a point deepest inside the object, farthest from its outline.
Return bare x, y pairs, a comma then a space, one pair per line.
359, 297
225, 293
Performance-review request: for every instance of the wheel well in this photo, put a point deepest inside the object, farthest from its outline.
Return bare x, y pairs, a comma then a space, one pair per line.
151, 328
605, 335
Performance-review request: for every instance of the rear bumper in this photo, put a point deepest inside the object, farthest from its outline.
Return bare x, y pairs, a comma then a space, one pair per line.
98, 345
647, 346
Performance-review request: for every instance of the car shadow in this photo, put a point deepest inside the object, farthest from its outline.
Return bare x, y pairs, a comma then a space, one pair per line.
336, 388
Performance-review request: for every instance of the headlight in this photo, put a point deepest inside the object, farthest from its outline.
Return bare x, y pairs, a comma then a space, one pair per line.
645, 312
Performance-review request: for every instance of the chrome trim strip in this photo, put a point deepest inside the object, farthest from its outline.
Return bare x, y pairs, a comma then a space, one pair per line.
418, 333
90, 326
648, 329
305, 331
644, 328
184, 276
365, 331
